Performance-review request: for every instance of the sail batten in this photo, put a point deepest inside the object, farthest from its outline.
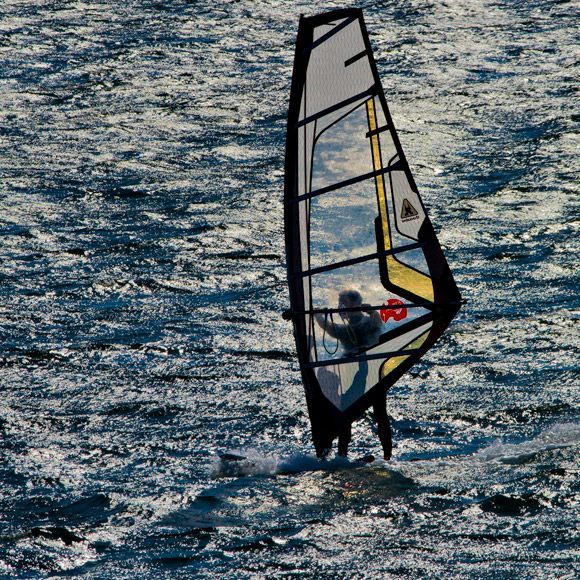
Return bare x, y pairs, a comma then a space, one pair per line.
379, 356
360, 259
336, 29
353, 180
357, 231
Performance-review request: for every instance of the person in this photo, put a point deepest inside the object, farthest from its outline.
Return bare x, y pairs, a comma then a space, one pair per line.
361, 330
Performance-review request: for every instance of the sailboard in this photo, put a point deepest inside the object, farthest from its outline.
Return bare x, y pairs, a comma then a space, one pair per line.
354, 222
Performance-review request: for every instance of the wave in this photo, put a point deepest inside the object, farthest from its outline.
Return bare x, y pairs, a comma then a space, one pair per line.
557, 437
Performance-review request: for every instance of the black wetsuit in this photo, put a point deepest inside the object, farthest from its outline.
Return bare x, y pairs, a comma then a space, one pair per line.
383, 426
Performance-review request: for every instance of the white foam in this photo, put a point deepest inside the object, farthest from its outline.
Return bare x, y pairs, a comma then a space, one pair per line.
557, 437
256, 462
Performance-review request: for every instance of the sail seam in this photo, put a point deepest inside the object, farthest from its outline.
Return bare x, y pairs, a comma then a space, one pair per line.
354, 58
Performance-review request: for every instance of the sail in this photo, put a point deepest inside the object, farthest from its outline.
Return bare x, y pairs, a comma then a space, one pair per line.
370, 289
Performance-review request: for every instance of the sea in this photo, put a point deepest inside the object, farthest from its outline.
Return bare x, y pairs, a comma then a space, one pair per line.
142, 281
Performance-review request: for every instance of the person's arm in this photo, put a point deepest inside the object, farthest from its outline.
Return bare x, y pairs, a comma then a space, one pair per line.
373, 315
376, 319
321, 320
331, 328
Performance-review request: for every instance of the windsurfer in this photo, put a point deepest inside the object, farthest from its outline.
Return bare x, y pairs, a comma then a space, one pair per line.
360, 330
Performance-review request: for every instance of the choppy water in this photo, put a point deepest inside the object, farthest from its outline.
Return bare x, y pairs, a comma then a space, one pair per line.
142, 279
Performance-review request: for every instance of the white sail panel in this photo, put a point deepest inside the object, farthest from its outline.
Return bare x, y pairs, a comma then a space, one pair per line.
328, 81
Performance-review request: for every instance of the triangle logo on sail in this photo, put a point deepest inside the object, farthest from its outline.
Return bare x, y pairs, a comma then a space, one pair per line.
408, 212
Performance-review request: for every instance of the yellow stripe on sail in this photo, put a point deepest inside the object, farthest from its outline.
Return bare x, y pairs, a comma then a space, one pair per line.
394, 362
379, 179
399, 274
409, 279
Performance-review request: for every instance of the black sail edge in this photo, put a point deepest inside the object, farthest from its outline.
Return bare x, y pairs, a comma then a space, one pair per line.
318, 407
445, 288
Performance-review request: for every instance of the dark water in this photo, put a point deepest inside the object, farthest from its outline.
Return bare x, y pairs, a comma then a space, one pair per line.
142, 279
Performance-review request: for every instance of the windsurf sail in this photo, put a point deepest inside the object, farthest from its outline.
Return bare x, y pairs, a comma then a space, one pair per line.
370, 289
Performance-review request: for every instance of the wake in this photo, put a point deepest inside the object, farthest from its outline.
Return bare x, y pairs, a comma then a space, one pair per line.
246, 462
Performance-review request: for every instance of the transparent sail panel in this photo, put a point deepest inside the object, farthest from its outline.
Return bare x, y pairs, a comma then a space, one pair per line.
343, 384
364, 278
332, 117
414, 259
342, 151
342, 224
347, 334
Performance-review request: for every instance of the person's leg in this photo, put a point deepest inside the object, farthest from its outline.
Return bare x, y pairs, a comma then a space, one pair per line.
344, 438
321, 425
323, 446
384, 426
